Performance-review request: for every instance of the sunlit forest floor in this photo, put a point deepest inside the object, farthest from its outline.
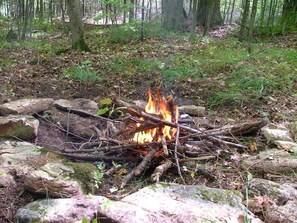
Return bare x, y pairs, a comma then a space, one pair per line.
218, 73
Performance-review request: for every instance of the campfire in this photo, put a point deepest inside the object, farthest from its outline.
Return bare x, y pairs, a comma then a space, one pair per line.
156, 136
166, 111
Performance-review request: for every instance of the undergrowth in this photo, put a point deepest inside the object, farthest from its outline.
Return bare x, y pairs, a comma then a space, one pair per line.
82, 73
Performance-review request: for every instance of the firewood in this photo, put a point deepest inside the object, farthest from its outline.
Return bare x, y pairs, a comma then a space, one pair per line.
160, 170
140, 168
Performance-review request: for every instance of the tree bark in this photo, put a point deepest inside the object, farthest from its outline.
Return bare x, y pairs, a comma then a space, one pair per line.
76, 24
194, 19
131, 11
173, 15
244, 20
216, 17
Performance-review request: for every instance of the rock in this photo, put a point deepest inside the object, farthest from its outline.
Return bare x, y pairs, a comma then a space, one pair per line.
20, 127
53, 179
14, 154
158, 203
26, 106
193, 110
79, 103
272, 161
273, 133
60, 210
174, 203
288, 146
282, 200
43, 171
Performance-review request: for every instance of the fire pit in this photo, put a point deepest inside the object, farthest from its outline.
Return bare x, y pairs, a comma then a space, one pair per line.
157, 134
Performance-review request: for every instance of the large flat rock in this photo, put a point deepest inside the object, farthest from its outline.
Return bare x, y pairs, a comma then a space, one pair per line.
26, 106
158, 203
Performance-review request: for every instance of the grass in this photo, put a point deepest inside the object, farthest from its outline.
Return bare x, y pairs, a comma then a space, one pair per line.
82, 73
6, 63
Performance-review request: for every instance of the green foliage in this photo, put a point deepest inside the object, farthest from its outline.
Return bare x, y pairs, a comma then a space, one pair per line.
98, 175
85, 220
43, 25
111, 4
6, 62
82, 73
131, 32
259, 76
4, 45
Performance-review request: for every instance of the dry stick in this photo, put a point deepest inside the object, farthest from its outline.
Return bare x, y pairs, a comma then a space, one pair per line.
102, 148
91, 157
189, 129
141, 167
84, 113
160, 170
197, 159
175, 155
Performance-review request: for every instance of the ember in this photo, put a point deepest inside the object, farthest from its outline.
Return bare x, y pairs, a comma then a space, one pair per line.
167, 111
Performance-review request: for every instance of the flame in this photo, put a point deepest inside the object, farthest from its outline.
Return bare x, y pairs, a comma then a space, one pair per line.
161, 107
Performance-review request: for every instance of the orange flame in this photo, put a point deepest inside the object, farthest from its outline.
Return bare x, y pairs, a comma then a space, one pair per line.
161, 107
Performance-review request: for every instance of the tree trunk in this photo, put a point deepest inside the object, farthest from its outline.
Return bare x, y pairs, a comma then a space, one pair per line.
209, 13
232, 10
202, 16
26, 20
194, 19
41, 10
63, 16
173, 15
244, 20
131, 11
76, 24
251, 23
142, 21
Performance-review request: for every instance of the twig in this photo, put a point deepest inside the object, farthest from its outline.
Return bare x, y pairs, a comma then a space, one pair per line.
90, 157
140, 168
197, 159
192, 130
160, 170
176, 157
83, 113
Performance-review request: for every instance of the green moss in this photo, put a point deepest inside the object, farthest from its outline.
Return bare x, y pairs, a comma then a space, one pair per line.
220, 196
17, 129
83, 173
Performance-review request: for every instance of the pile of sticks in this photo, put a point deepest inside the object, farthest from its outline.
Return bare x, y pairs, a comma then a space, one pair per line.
189, 144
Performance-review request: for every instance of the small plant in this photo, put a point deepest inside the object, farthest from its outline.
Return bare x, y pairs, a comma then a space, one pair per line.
82, 73
98, 175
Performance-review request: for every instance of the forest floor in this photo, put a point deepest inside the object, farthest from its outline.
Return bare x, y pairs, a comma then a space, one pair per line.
216, 72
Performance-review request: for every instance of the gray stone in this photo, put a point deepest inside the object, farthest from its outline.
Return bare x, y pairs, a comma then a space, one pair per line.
288, 146
282, 205
43, 171
54, 180
68, 210
178, 203
158, 203
26, 106
79, 103
193, 110
271, 161
273, 133
18, 127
